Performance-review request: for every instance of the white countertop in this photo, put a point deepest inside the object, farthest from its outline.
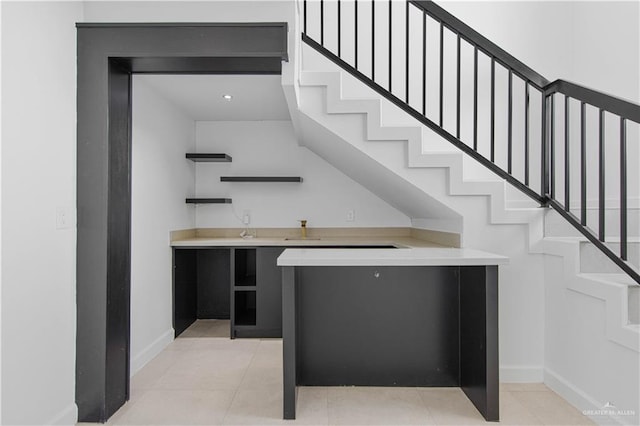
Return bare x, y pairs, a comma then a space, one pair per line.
420, 256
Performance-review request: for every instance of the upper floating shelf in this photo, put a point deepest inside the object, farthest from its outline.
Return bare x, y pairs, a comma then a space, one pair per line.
209, 158
260, 179
208, 200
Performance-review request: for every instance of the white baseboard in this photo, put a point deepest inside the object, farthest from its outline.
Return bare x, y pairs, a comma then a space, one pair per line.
584, 402
147, 354
521, 374
68, 416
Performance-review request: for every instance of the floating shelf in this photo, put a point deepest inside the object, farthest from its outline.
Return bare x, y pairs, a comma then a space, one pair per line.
208, 200
260, 179
209, 158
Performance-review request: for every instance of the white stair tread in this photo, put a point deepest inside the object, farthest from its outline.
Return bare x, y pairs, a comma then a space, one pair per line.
612, 278
481, 181
523, 209
582, 239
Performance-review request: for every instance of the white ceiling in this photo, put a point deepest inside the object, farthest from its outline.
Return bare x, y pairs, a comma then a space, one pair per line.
255, 97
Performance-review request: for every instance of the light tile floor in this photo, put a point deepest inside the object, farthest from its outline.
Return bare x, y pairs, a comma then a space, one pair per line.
204, 378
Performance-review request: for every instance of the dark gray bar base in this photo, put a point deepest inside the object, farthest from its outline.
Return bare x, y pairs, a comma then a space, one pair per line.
391, 326
479, 369
289, 341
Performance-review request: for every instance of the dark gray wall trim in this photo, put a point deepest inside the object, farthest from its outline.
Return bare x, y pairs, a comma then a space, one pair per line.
177, 24
107, 54
119, 240
212, 40
269, 64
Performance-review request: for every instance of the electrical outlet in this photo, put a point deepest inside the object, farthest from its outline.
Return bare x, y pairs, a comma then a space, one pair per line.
246, 217
64, 218
351, 215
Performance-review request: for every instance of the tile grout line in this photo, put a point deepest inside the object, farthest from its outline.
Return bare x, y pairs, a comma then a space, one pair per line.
144, 391
235, 393
424, 404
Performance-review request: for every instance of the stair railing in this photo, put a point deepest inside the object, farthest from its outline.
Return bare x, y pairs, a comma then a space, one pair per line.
609, 109
362, 38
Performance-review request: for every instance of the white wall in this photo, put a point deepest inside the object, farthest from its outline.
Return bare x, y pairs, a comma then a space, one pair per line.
606, 47
269, 148
38, 177
0, 223
593, 43
161, 179
582, 363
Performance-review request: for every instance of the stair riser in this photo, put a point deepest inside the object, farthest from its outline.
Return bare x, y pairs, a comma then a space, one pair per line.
634, 304
592, 260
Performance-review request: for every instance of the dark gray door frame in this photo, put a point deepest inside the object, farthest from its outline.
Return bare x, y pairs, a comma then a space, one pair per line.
108, 54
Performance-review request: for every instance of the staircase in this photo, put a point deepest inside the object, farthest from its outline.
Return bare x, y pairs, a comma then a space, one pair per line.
571, 290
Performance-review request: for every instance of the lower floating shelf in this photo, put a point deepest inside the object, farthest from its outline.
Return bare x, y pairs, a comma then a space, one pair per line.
296, 179
208, 200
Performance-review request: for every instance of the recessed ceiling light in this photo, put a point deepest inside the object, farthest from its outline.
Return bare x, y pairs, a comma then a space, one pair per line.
227, 97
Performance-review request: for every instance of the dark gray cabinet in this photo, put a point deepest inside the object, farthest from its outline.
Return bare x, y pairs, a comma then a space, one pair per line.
269, 288
243, 284
213, 283
185, 289
256, 297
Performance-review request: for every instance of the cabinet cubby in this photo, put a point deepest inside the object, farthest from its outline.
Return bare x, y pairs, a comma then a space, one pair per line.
245, 308
245, 267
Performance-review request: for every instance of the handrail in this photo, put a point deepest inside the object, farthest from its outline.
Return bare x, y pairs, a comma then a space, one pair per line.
618, 106
514, 172
483, 43
614, 104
